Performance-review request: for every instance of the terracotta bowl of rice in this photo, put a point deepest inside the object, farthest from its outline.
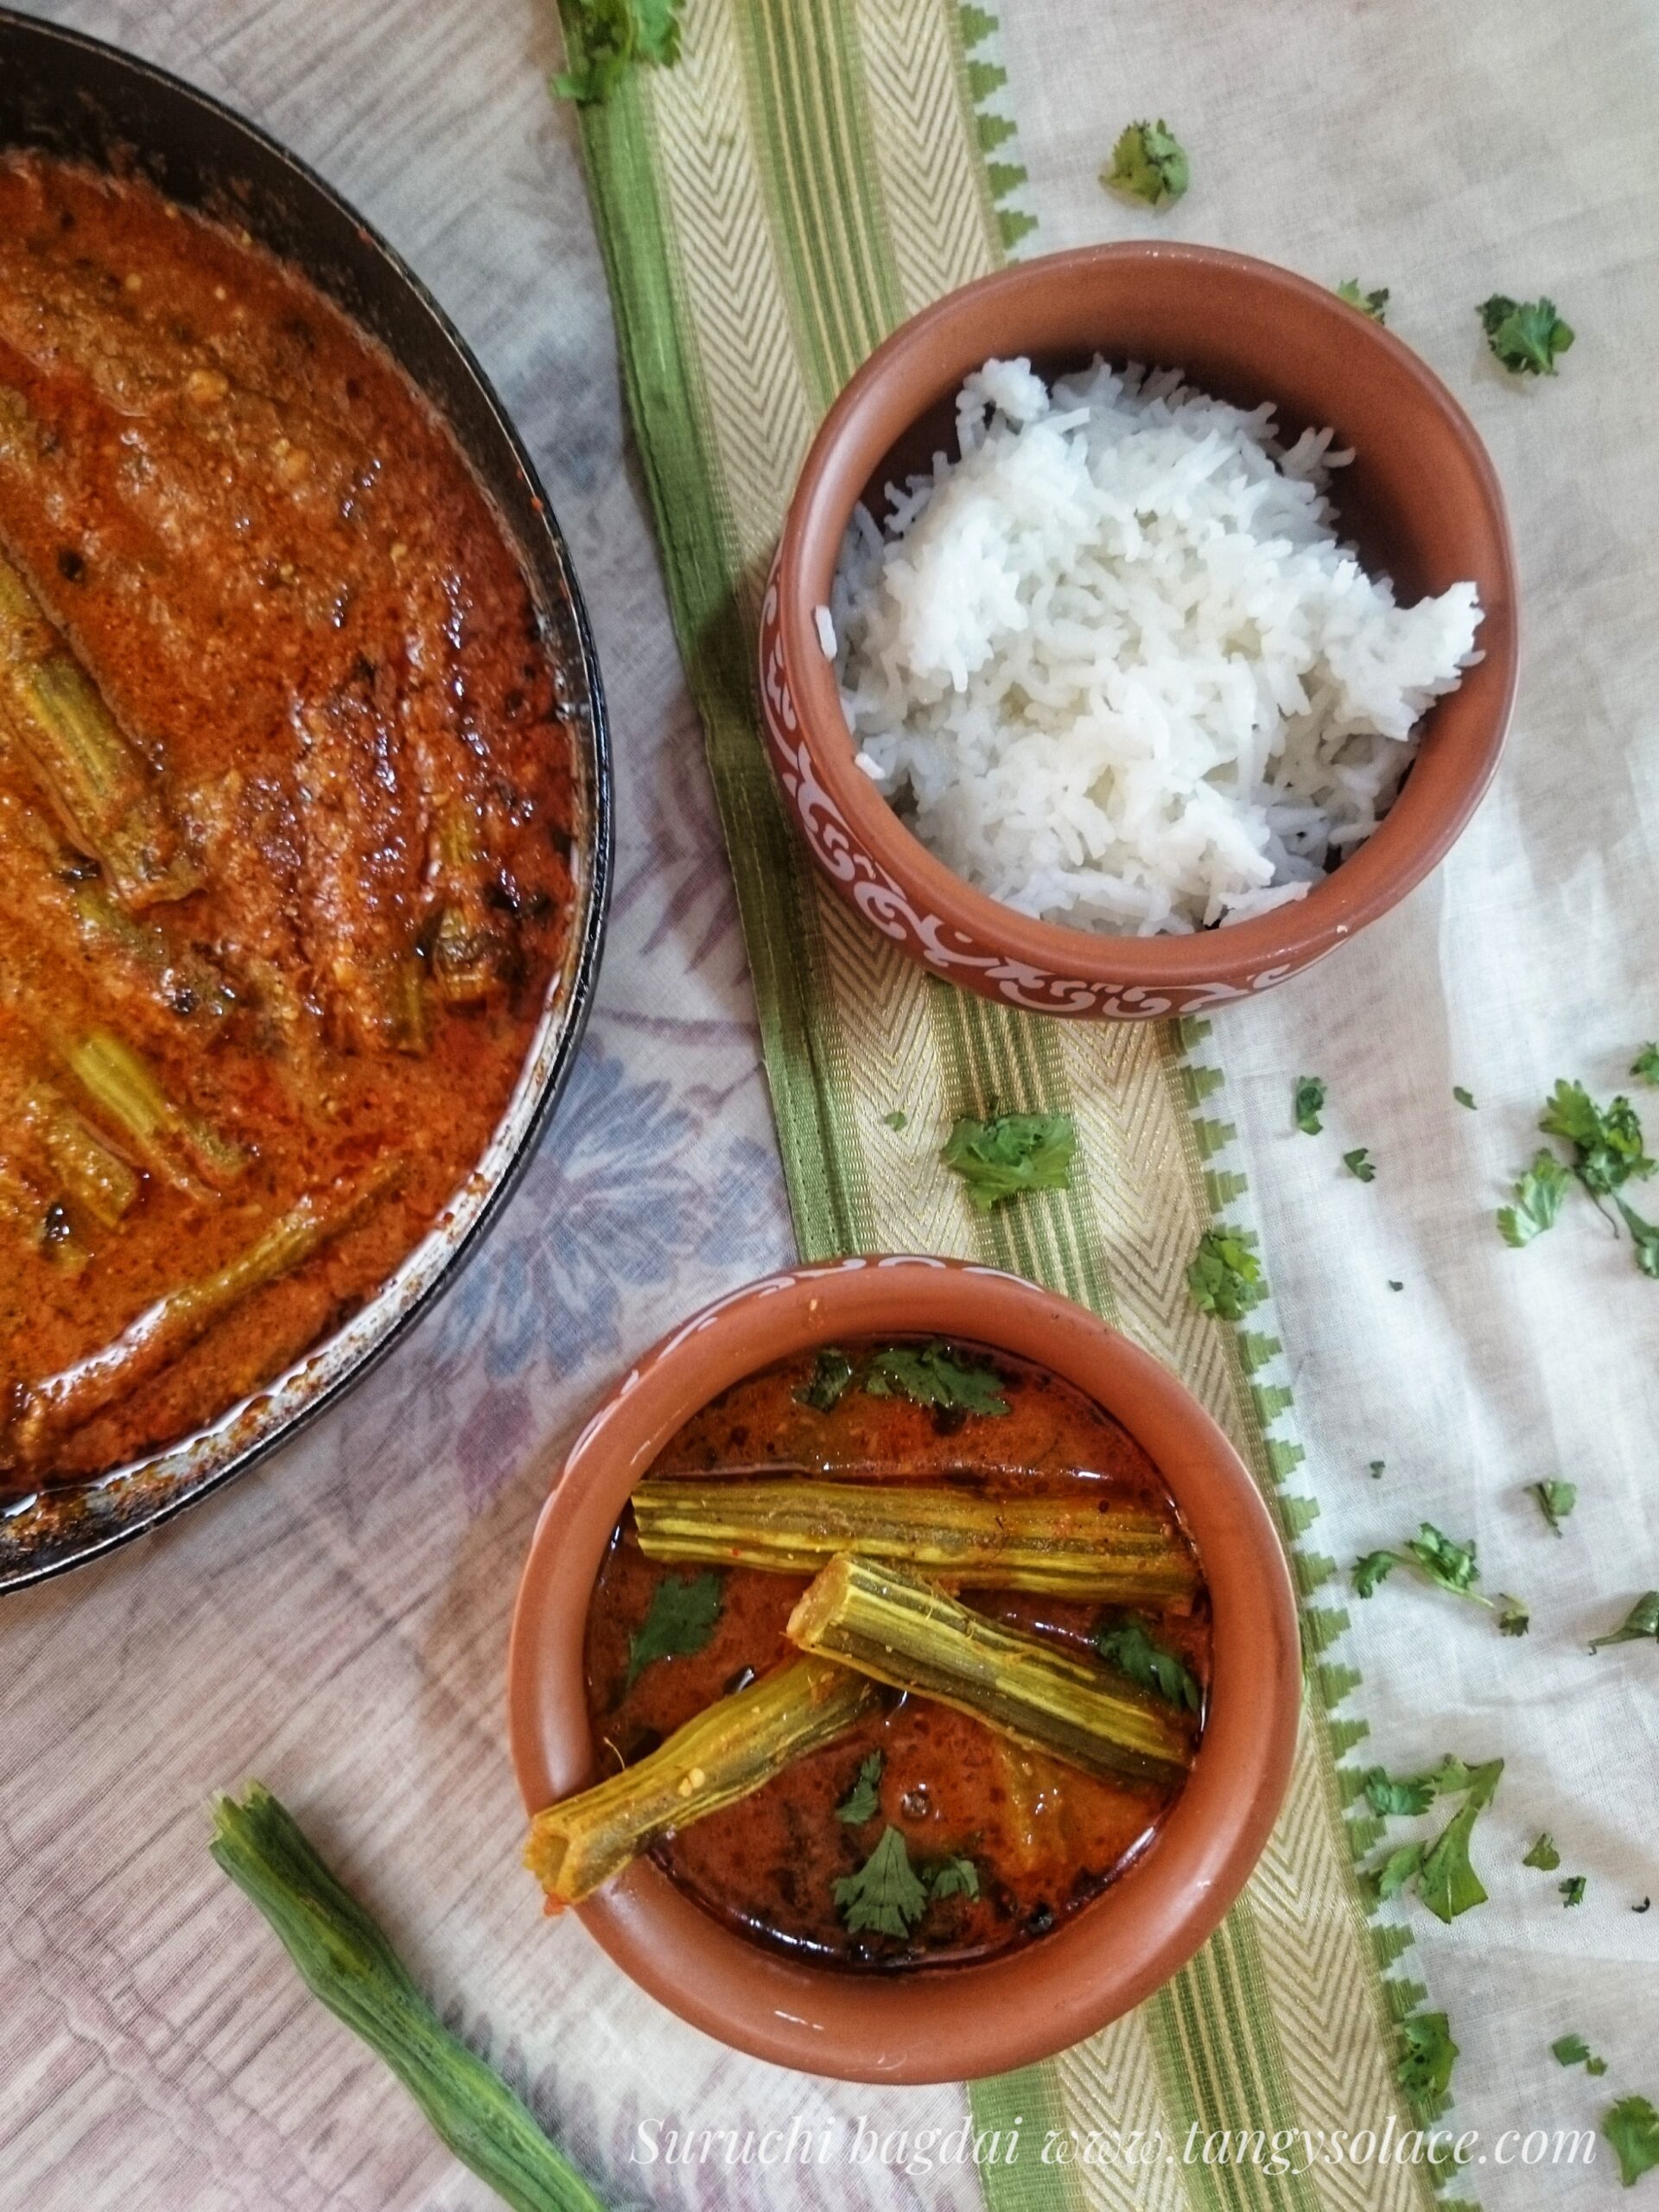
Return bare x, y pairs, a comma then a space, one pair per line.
1143, 624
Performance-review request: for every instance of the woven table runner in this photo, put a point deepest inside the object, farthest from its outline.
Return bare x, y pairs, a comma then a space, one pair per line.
810, 174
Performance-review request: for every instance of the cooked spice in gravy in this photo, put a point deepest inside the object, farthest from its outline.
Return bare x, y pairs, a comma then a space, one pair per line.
286, 818
1043, 1837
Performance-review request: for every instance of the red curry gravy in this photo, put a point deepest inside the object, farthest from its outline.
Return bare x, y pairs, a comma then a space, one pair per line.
269, 558
1044, 1837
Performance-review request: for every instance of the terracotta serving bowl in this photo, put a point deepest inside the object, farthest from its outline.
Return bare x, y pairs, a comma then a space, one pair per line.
949, 2022
1420, 500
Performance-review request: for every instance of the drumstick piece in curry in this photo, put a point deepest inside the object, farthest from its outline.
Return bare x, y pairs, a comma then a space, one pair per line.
110, 800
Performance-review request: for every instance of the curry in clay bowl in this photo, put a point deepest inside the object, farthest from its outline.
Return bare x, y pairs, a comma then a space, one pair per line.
1418, 503
904, 1678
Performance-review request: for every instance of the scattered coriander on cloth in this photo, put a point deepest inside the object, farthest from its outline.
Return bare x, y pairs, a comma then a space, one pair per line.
1148, 162
1394, 1286
1640, 1625
862, 1800
1544, 1854
1225, 1276
1359, 1162
934, 1376
1010, 1153
1308, 1103
1607, 1141
898, 1119
1538, 1196
1556, 1500
1645, 1065
1464, 1098
831, 1373
1449, 1566
1632, 2127
1526, 335
679, 1620
1427, 2055
346, 1961
1572, 1890
1645, 1238
1131, 1651
1442, 1870
1573, 2051
1375, 304
1376, 1469
605, 37
883, 1894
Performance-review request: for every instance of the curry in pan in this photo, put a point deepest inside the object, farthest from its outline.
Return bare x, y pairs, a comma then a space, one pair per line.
286, 820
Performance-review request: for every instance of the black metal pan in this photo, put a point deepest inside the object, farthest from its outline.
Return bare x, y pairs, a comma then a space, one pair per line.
66, 94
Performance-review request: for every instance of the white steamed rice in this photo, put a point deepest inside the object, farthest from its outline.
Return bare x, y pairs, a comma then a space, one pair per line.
1114, 666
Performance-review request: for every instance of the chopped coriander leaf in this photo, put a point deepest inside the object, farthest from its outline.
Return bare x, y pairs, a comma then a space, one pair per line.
1640, 1625
1445, 1880
1308, 1101
1514, 1615
1526, 335
1374, 1568
1538, 1196
1572, 1890
898, 1119
1464, 1098
679, 1620
934, 1376
831, 1373
1449, 1566
1131, 1651
1374, 304
953, 1878
1394, 1799
1645, 1065
1644, 1906
606, 36
1427, 2055
862, 1800
1010, 1153
1544, 1854
1225, 1277
1148, 162
1632, 2127
1359, 1162
1606, 1139
1556, 1499
1396, 1285
1573, 2051
1644, 1236
883, 1894
1377, 1468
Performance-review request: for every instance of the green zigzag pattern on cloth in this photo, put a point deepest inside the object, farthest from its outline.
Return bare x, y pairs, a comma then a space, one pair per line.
810, 172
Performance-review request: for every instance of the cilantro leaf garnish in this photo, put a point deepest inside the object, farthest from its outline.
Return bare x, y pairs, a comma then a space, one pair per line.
934, 1376
1632, 2127
1447, 1883
1427, 2057
898, 1119
1640, 1625
864, 1800
1449, 1566
1645, 1065
1010, 1153
1526, 335
1149, 162
1573, 2051
606, 36
883, 1894
953, 1878
1131, 1651
1376, 1468
1359, 1162
1225, 1277
832, 1372
679, 1620
1464, 1098
1544, 1854
1396, 1285
1538, 1196
1374, 304
1556, 1499
1395, 1798
1644, 1236
1606, 1139
1308, 1103
1572, 1890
